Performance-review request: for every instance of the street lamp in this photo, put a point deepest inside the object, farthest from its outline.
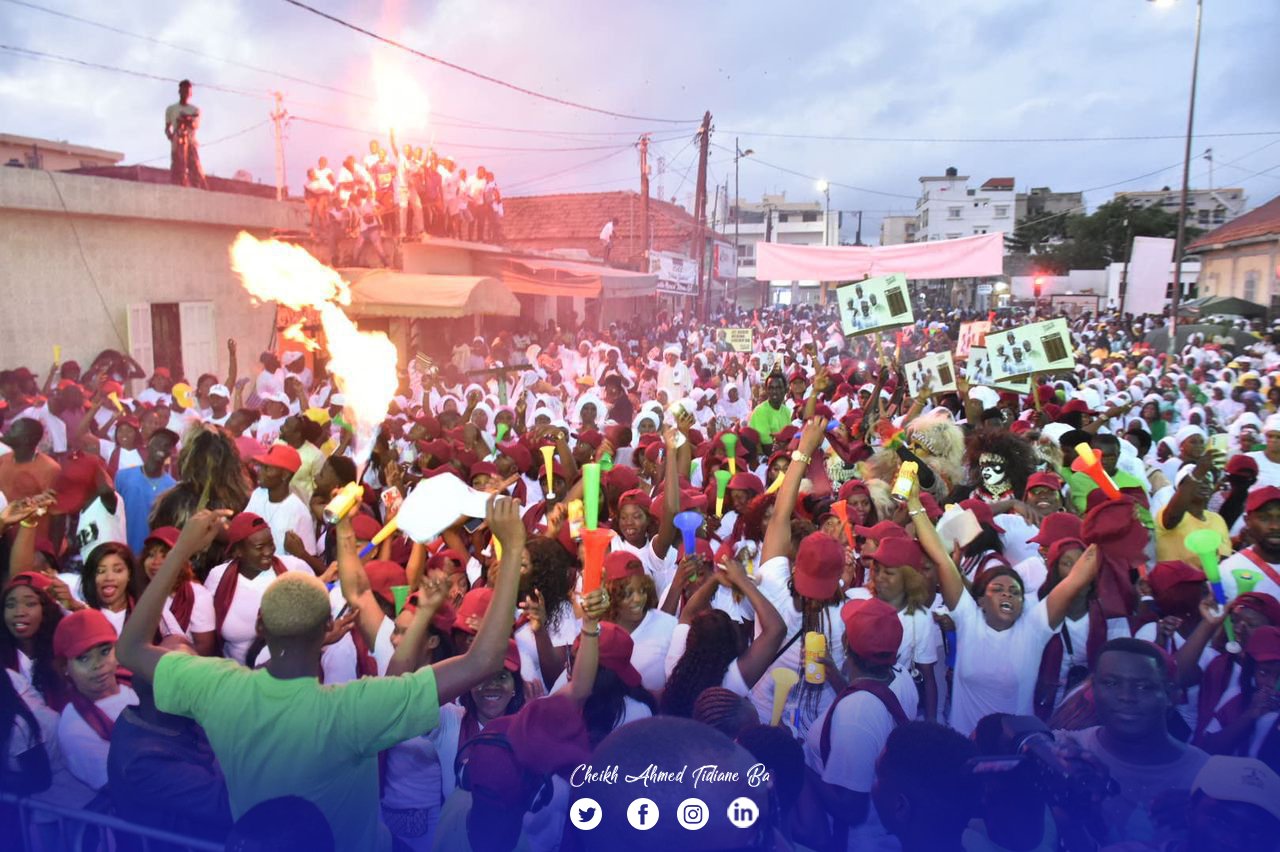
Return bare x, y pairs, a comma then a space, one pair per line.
825, 188
738, 154
1180, 238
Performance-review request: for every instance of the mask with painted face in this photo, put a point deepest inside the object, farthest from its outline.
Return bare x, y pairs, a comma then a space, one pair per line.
994, 472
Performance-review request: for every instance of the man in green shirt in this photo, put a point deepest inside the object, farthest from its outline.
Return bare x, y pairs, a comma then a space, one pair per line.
773, 415
1108, 449
278, 731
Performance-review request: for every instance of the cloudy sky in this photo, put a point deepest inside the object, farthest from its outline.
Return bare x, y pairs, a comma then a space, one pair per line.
899, 88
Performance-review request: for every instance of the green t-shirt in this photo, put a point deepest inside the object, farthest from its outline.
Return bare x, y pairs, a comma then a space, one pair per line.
300, 738
769, 421
1081, 484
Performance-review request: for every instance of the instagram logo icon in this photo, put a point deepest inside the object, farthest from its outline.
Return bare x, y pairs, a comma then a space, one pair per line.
692, 814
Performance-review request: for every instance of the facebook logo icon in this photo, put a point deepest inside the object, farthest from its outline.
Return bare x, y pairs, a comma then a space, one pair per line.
642, 814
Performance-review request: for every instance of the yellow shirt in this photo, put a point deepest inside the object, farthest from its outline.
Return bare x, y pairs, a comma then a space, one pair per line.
1169, 542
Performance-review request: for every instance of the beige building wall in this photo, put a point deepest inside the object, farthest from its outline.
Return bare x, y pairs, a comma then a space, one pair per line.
1248, 272
52, 155
78, 251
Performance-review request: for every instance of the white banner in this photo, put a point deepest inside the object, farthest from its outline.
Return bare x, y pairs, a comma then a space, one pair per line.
1148, 279
677, 274
726, 261
935, 373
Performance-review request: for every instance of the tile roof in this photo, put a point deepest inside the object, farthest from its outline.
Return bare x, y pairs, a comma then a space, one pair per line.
998, 183
1262, 221
574, 220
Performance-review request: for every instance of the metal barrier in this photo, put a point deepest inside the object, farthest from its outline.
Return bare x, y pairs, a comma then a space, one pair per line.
73, 831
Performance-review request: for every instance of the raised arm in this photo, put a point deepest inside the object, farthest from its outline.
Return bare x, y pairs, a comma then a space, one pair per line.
135, 649
231, 362
431, 590
354, 582
760, 653
458, 674
777, 537
670, 493
1081, 575
950, 583
587, 660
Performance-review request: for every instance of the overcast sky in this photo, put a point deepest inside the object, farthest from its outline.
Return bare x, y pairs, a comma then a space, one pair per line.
938, 71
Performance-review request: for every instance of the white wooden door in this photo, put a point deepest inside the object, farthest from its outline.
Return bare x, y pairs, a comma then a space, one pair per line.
199, 354
141, 346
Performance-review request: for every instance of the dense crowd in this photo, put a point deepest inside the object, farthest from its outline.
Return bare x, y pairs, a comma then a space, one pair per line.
1061, 631
401, 193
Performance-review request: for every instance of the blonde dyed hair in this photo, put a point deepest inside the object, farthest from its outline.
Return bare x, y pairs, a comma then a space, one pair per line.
294, 604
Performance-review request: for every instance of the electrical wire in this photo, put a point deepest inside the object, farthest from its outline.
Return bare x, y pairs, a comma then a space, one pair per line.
530, 181
211, 142
992, 140
479, 75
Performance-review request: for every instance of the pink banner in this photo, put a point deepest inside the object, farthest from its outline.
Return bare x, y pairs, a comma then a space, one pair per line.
968, 257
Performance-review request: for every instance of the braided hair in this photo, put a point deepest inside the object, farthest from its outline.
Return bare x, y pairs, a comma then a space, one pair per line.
712, 646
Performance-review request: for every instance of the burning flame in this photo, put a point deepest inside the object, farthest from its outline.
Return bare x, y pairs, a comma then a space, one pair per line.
401, 103
363, 363
297, 335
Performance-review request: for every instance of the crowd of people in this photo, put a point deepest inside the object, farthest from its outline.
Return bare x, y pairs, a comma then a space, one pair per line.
1061, 631
374, 201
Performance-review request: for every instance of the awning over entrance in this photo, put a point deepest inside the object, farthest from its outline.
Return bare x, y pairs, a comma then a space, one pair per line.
388, 293
546, 277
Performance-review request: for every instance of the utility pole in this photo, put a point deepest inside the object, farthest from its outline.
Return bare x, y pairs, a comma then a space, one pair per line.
279, 116
857, 237
644, 199
700, 210
1179, 241
662, 170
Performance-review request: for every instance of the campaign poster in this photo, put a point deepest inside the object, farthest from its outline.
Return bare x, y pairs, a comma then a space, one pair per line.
736, 339
875, 304
1029, 350
978, 372
933, 374
971, 334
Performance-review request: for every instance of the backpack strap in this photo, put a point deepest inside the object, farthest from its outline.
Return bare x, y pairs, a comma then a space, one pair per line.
880, 690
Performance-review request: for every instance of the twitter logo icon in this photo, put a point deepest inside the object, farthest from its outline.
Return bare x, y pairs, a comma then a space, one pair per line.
585, 814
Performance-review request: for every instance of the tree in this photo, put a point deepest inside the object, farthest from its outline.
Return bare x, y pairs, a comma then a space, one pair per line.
1103, 237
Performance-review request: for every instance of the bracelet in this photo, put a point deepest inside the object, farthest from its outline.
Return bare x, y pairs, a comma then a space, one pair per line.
589, 633
914, 512
803, 458
28, 523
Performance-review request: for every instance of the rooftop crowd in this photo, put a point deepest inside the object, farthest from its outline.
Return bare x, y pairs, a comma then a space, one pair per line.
191, 646
396, 193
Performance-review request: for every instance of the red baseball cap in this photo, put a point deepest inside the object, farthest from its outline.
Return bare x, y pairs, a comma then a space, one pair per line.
1264, 644
549, 735
78, 480
1241, 464
80, 631
1055, 526
167, 536
616, 646
620, 479
1260, 602
743, 481
1260, 497
446, 557
819, 564
383, 574
622, 564
634, 497
872, 630
1077, 406
1166, 575
896, 551
475, 604
882, 530
1044, 479
31, 580
244, 525
365, 526
982, 512
282, 456
511, 660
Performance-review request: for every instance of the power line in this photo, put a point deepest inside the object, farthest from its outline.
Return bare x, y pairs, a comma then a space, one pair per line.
755, 159
211, 142
575, 167
477, 74
336, 126
990, 140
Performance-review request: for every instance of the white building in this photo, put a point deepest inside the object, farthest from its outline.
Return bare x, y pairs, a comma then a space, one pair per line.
896, 230
1206, 208
776, 220
949, 209
1102, 283
52, 155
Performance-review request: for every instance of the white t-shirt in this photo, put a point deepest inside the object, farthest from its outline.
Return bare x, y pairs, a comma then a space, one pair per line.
126, 459
267, 429
1033, 572
117, 618
1190, 708
203, 619
240, 627
1268, 471
1015, 540
1237, 561
98, 526
562, 635
338, 661
85, 751
732, 680
995, 670
920, 635
289, 515
650, 641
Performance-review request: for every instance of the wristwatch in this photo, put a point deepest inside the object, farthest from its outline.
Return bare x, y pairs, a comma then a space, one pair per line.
796, 455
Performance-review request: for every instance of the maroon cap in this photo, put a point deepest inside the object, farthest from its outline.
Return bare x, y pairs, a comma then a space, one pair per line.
897, 551
652, 451
548, 735
1260, 497
634, 497
1264, 644
1055, 526
872, 630
384, 574
622, 564
1260, 602
882, 530
621, 478
282, 456
511, 660
475, 604
78, 480
1241, 464
1114, 527
931, 508
819, 564
743, 481
1058, 547
439, 450
482, 468
1044, 479
242, 526
518, 453
167, 536
80, 631
615, 652
1166, 575
442, 560
785, 434
591, 438
982, 512
31, 580
1077, 406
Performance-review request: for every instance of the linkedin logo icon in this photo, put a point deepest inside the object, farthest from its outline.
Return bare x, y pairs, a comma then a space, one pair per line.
743, 812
